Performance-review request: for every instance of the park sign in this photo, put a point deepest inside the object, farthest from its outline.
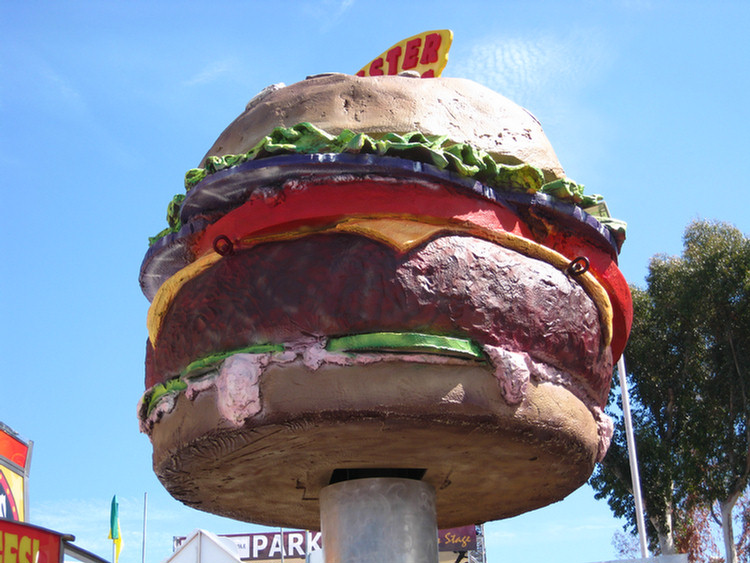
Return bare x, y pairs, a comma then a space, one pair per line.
426, 54
15, 459
295, 544
269, 546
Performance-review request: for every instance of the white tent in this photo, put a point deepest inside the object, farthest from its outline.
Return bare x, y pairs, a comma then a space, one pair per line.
204, 547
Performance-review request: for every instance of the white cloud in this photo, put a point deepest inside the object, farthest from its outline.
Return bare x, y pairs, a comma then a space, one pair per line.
210, 73
328, 12
36, 81
636, 5
62, 89
88, 521
554, 75
336, 8
518, 538
536, 70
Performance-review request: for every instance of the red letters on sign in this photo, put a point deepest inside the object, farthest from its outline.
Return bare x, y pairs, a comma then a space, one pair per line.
411, 57
431, 46
425, 53
392, 57
376, 67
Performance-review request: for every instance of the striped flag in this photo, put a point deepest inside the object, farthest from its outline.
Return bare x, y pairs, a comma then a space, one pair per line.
114, 529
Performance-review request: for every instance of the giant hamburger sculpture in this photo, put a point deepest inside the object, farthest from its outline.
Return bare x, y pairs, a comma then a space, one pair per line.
380, 275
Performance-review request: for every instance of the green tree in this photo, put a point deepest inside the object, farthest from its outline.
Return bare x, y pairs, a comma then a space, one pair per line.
687, 361
657, 368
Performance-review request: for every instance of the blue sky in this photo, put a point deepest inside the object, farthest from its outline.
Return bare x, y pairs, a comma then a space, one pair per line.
105, 105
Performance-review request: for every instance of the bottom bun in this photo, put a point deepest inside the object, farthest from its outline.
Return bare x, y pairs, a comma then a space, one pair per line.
259, 443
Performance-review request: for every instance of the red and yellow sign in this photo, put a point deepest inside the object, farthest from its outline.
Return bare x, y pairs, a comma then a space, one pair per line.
15, 455
23, 543
426, 53
13, 449
11, 495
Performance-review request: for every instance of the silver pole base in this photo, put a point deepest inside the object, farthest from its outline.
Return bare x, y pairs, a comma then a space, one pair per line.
377, 520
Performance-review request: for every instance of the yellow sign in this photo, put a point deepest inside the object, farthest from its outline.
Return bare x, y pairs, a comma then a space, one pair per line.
426, 53
11, 495
15, 455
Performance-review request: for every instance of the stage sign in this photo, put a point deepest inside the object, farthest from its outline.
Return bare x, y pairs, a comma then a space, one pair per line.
458, 539
15, 459
24, 543
295, 544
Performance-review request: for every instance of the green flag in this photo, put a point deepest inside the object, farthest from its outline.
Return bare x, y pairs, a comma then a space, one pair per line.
114, 528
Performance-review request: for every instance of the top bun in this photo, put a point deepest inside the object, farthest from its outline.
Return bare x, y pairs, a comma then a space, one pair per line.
462, 110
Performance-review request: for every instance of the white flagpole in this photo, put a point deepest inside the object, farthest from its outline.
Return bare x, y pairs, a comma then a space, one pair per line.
634, 475
143, 549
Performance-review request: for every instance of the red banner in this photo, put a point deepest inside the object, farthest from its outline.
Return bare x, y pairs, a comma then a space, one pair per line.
23, 543
13, 449
15, 455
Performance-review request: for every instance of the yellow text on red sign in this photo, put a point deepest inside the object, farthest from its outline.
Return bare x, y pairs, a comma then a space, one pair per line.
426, 53
22, 543
18, 549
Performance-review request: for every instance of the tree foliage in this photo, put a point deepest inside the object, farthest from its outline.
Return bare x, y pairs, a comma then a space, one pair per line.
688, 362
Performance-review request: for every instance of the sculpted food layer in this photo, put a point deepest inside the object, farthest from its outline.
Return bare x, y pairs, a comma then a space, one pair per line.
346, 284
401, 210
462, 158
461, 110
453, 124
279, 425
239, 379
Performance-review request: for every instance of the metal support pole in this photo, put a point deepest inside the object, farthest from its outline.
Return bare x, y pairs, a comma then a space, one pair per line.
632, 456
143, 547
379, 519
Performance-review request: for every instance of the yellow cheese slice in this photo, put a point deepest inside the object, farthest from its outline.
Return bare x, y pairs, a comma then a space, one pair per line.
402, 234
